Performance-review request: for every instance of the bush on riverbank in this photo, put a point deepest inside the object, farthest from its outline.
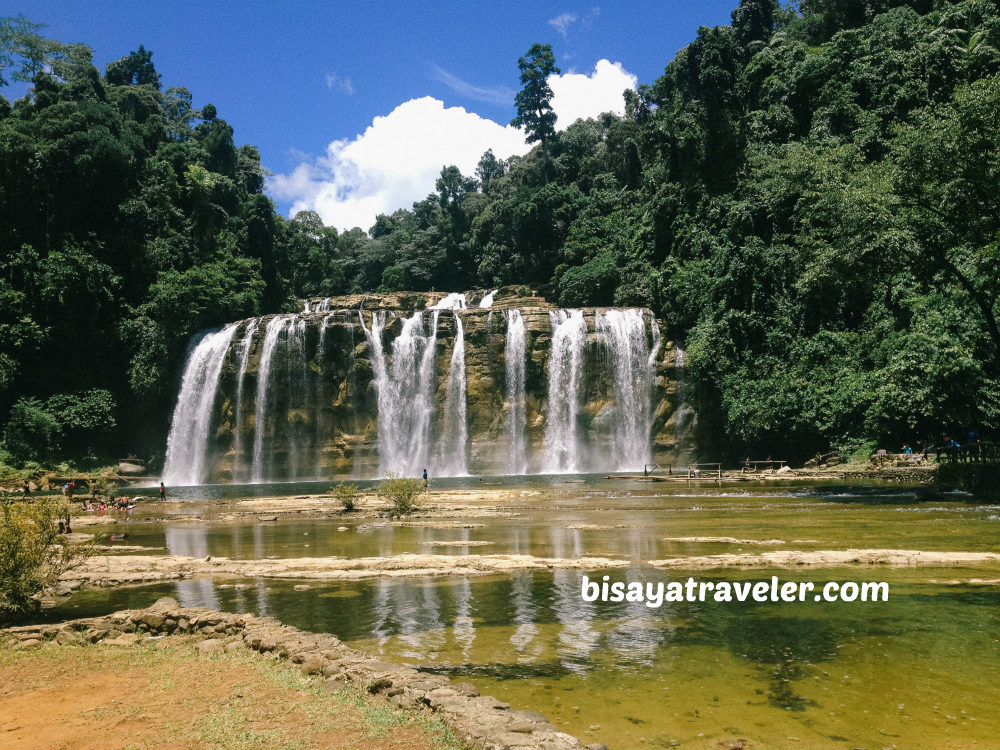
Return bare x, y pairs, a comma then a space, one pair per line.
402, 493
32, 553
348, 495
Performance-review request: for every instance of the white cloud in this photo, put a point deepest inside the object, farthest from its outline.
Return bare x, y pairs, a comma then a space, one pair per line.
491, 95
575, 95
400, 155
562, 22
339, 83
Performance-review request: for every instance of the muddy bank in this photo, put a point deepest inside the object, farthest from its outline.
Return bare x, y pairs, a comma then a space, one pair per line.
828, 559
479, 721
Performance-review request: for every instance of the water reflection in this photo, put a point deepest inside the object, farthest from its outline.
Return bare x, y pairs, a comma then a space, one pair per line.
192, 541
832, 674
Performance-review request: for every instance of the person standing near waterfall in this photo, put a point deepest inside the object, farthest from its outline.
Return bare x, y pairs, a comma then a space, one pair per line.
163, 491
425, 480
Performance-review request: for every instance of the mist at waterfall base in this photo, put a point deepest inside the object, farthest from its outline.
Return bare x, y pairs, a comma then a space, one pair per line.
328, 394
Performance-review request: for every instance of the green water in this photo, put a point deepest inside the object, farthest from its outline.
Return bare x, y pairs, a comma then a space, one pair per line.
920, 670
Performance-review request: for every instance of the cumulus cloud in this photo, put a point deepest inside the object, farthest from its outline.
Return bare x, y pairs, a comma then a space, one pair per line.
400, 155
575, 95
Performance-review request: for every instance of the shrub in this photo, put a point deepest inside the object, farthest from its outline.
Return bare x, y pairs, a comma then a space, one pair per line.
402, 493
347, 494
32, 553
593, 283
31, 432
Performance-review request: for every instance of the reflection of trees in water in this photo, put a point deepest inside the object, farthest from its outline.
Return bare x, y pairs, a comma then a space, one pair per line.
784, 648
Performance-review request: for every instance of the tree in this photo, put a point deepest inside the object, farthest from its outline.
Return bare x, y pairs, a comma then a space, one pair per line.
489, 169
533, 101
32, 554
135, 69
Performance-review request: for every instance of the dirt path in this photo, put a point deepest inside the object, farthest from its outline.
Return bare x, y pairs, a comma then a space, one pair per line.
105, 697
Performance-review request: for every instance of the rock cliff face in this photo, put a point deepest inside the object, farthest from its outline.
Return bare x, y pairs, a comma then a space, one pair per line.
308, 396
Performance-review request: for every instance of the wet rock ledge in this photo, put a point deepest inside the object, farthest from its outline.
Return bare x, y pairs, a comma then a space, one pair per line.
479, 721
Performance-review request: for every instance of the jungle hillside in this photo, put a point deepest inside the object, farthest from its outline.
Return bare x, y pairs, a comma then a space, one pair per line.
809, 198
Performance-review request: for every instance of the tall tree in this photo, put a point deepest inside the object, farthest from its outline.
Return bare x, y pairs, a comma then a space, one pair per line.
534, 108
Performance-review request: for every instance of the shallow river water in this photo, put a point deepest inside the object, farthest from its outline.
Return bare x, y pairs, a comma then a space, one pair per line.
920, 670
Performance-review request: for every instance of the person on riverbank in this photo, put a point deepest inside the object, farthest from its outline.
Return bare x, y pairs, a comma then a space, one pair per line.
163, 491
27, 490
69, 490
425, 480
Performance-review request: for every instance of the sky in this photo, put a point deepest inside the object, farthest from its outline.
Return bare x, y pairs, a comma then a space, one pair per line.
356, 106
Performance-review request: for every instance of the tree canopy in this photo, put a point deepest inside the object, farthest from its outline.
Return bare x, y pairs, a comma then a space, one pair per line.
806, 197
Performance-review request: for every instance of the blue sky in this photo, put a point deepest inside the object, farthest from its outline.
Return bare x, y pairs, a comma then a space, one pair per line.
393, 86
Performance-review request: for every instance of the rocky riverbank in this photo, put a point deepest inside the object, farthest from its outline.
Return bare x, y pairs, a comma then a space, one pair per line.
479, 721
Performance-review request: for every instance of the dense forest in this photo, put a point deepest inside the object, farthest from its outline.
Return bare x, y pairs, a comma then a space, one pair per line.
808, 197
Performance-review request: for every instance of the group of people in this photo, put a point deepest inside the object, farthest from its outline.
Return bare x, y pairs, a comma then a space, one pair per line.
973, 450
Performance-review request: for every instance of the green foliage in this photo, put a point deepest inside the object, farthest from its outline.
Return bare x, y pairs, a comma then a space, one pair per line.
31, 432
32, 553
593, 283
806, 199
403, 494
347, 495
533, 101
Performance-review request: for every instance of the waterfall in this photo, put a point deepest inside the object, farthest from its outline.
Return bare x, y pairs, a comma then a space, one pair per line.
245, 346
405, 393
318, 395
628, 353
514, 352
563, 451
188, 442
684, 413
297, 371
487, 300
452, 459
274, 328
453, 301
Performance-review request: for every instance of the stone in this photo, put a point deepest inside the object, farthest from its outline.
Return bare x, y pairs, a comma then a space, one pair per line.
379, 685
312, 665
66, 636
210, 646
522, 727
164, 603
466, 688
153, 621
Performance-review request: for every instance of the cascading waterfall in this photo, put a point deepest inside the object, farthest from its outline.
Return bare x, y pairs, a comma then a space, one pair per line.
187, 444
311, 418
297, 372
684, 414
245, 347
487, 300
628, 354
318, 394
451, 456
563, 450
271, 334
453, 301
405, 394
514, 423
